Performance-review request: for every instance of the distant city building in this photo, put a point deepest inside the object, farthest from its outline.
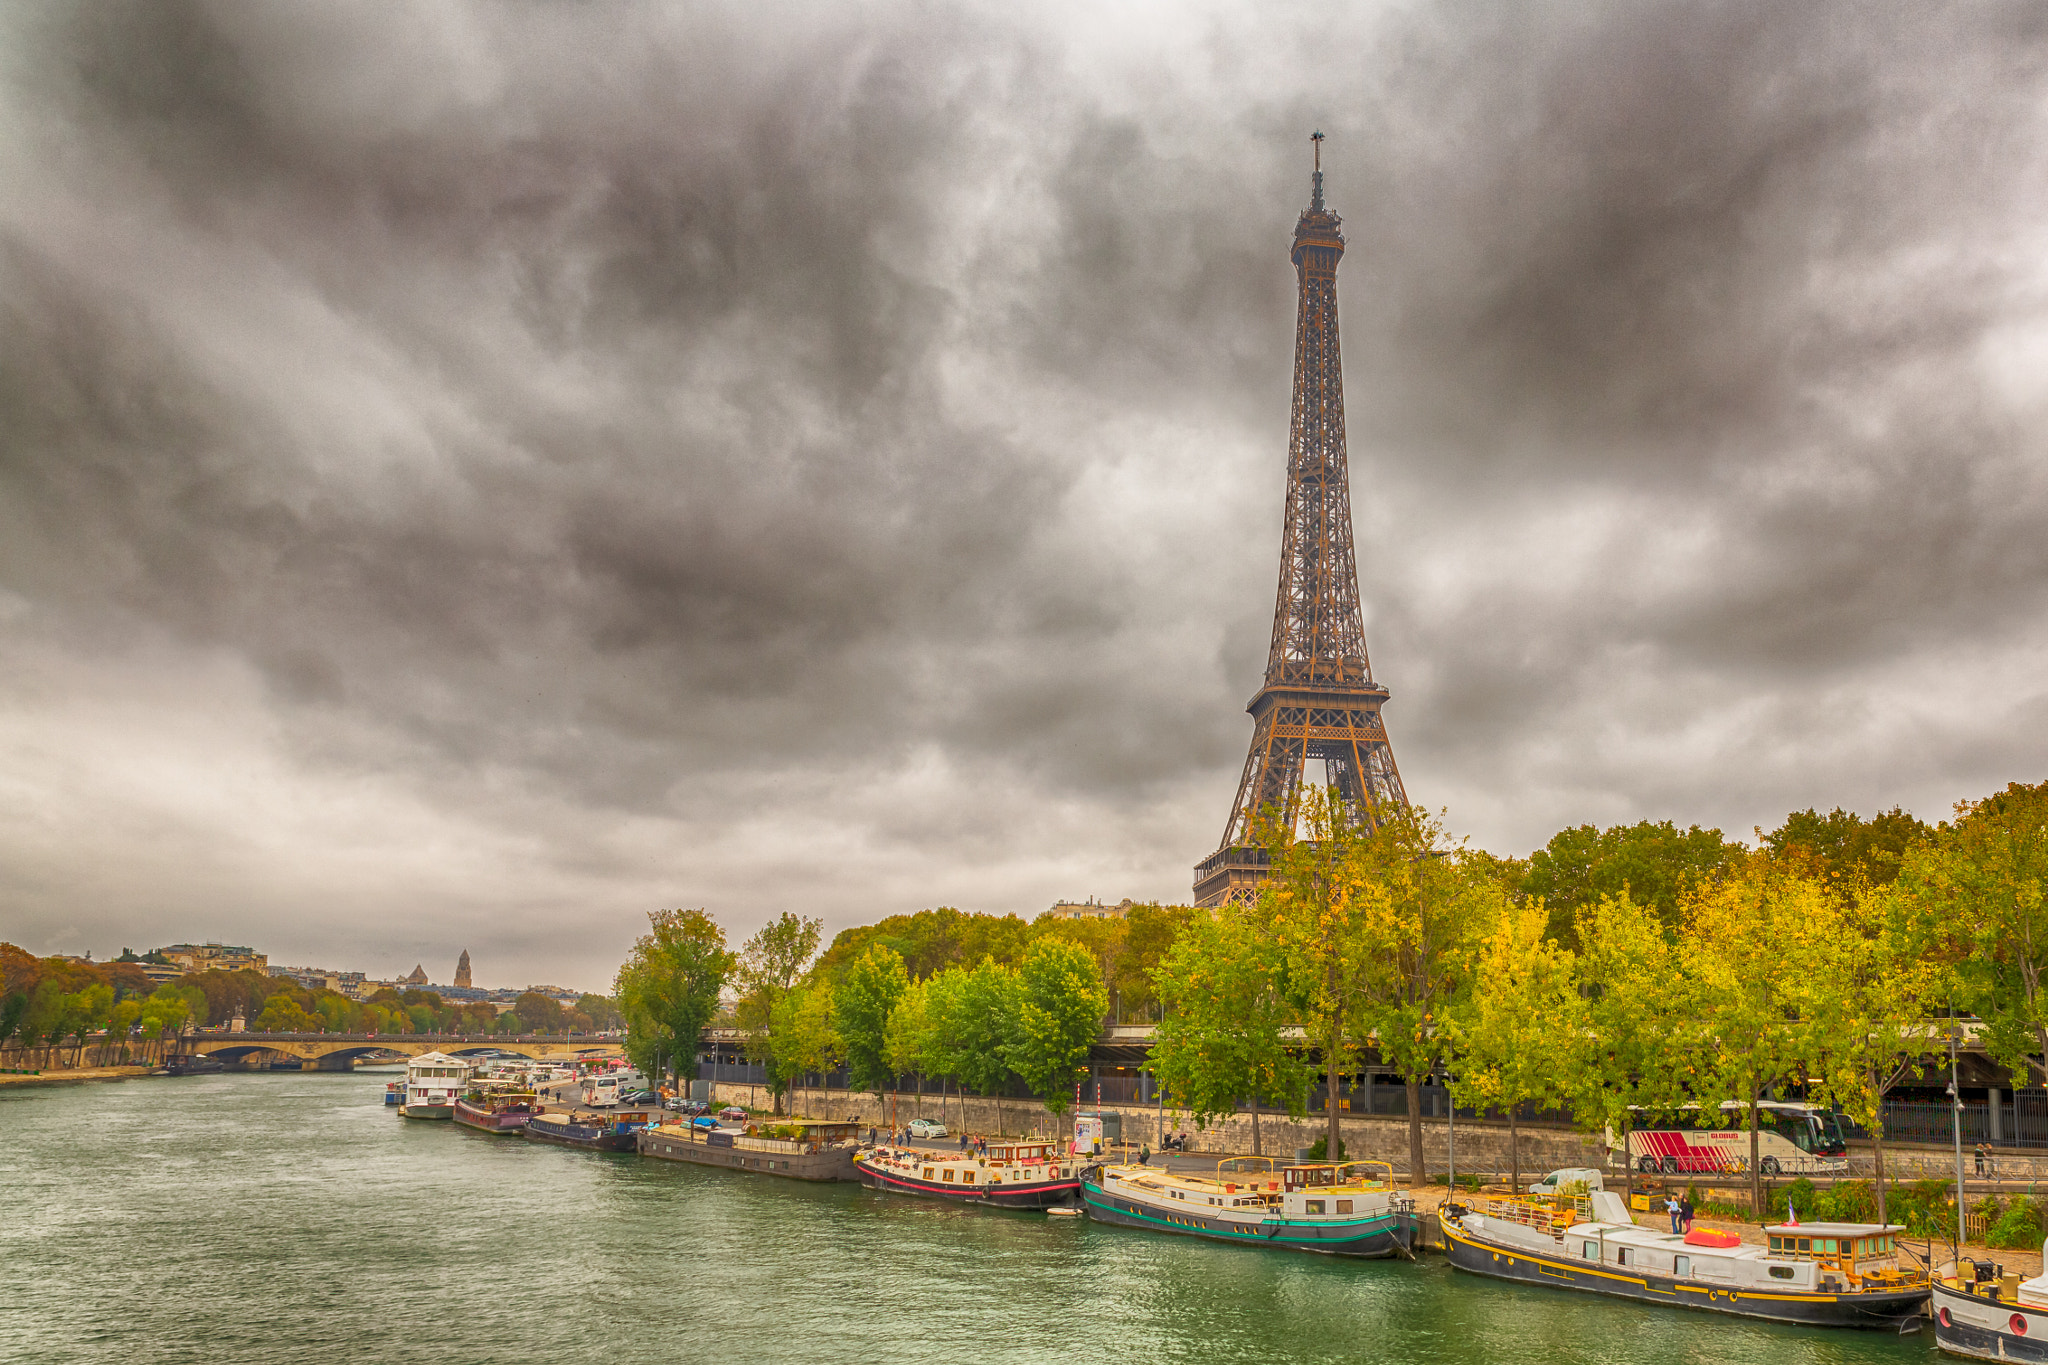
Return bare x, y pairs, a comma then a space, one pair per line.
214, 957
1088, 909
462, 970
351, 984
418, 977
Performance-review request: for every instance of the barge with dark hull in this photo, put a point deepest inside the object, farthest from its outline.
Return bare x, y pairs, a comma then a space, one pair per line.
504, 1114
1981, 1313
592, 1132
1336, 1210
1819, 1274
813, 1151
1010, 1175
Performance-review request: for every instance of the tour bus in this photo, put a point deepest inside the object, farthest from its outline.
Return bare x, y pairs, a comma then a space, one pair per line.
1791, 1139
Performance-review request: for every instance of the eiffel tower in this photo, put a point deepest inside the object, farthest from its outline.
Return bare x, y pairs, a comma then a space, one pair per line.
1319, 701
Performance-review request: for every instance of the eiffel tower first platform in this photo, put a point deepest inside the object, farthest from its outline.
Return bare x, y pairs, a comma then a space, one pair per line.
1319, 701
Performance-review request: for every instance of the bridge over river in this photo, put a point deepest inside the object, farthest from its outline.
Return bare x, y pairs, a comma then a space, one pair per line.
340, 1051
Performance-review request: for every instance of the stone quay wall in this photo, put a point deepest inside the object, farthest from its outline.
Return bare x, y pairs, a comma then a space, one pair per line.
1482, 1146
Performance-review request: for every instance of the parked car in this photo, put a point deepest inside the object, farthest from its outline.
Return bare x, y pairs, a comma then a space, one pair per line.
682, 1106
927, 1129
1557, 1180
640, 1097
733, 1113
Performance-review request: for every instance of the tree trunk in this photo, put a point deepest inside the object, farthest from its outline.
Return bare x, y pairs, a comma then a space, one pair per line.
1416, 1173
1333, 1136
1756, 1175
1877, 1148
1514, 1149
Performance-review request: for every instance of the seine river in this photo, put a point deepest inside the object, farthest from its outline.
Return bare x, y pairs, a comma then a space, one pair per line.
292, 1217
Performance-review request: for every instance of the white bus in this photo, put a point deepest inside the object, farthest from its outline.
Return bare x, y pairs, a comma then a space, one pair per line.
1791, 1139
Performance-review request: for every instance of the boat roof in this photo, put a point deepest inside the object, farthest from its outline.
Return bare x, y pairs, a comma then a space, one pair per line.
1833, 1229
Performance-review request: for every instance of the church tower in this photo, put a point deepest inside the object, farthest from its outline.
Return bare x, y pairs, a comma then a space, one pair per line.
462, 970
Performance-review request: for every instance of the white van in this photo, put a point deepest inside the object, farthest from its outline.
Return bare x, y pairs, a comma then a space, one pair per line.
1557, 1180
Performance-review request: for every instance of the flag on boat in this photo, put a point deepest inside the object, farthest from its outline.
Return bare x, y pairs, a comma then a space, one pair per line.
1791, 1215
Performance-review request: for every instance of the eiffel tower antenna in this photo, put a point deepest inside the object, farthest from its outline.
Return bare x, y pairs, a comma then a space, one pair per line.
1319, 700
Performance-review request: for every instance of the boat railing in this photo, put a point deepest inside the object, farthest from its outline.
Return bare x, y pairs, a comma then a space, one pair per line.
1552, 1214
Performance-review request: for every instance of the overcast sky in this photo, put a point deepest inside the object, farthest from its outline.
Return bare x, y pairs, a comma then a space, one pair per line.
472, 475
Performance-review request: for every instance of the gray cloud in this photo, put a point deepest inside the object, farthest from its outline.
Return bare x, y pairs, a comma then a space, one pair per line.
469, 477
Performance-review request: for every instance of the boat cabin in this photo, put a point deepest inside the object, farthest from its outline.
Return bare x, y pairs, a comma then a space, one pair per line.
435, 1078
1856, 1251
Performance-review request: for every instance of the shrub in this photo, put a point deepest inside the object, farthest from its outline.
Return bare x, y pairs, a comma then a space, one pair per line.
1318, 1151
1851, 1201
2018, 1227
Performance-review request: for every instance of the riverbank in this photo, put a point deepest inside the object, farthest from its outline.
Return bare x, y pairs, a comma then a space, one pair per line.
78, 1074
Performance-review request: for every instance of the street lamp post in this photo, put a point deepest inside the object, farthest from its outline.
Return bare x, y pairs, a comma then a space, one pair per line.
1955, 1098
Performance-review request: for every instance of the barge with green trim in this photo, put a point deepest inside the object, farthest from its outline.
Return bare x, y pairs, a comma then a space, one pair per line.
1338, 1209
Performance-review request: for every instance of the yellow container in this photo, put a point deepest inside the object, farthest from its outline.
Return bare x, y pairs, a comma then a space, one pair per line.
1639, 1202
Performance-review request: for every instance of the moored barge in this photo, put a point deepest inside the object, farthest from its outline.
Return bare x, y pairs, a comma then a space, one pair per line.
1348, 1209
501, 1109
797, 1149
1015, 1175
594, 1132
1982, 1313
1819, 1274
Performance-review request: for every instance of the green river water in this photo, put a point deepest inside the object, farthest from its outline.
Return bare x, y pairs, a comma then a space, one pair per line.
291, 1217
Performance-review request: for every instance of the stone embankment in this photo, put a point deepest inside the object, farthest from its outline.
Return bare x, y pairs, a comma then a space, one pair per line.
1482, 1147
78, 1073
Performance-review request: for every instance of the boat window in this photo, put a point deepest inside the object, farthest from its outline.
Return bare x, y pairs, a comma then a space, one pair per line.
1592, 1251
1621, 1255
949, 1177
1777, 1242
927, 1173
1781, 1272
1315, 1206
1824, 1244
1806, 1244
1343, 1206
1681, 1265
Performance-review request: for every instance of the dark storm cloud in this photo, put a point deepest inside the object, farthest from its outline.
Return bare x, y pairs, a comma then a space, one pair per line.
681, 455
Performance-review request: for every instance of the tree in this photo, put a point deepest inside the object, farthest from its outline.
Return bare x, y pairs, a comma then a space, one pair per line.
976, 1027
1151, 933
1747, 960
1223, 1037
770, 964
1987, 871
1522, 1033
541, 1013
865, 998
1644, 1048
1876, 981
806, 1035
1845, 848
1657, 864
1060, 1005
668, 988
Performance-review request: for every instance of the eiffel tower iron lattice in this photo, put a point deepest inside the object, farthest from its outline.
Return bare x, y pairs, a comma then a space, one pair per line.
1319, 700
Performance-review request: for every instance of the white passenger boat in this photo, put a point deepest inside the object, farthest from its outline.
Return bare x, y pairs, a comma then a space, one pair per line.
433, 1080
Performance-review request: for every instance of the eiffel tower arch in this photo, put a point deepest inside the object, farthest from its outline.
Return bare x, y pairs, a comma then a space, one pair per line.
1319, 700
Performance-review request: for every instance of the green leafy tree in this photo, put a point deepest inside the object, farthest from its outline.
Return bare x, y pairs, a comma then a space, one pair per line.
864, 1000
975, 1028
1655, 863
1223, 1038
669, 986
1523, 1031
770, 964
1060, 1004
541, 1013
1644, 1048
1747, 955
1875, 981
1846, 849
806, 1031
1986, 872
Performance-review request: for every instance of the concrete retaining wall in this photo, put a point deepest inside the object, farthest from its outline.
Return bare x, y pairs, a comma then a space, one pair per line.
1482, 1147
